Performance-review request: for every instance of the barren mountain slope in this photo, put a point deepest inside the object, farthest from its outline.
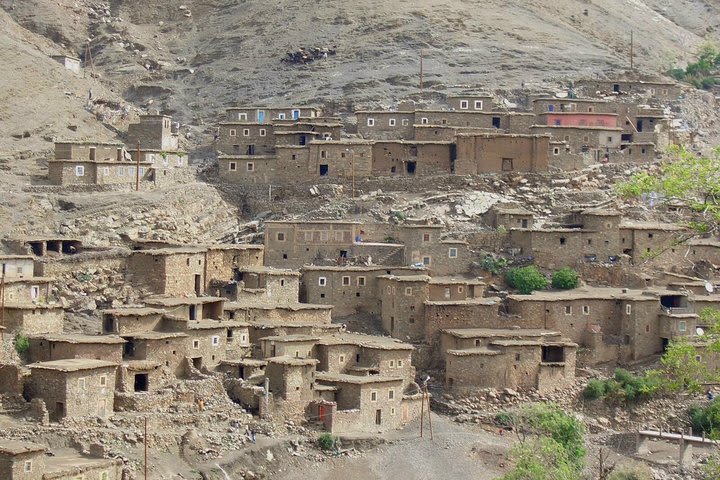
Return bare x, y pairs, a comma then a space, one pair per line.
195, 57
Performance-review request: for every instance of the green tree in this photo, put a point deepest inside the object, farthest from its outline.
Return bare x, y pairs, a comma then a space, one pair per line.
565, 279
526, 279
682, 368
706, 419
541, 459
21, 343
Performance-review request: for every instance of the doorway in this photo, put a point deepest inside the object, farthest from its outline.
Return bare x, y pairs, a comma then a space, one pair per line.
378, 417
410, 168
496, 122
141, 382
324, 170
198, 284
197, 362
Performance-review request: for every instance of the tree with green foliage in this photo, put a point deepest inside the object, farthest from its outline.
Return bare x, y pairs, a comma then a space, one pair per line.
706, 419
526, 279
493, 265
326, 441
565, 279
687, 178
624, 387
701, 73
683, 370
556, 450
21, 343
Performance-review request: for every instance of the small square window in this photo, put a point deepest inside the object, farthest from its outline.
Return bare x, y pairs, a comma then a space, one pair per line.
682, 326
263, 132
568, 310
281, 116
196, 344
556, 150
391, 394
452, 253
281, 236
392, 363
346, 281
464, 104
232, 166
478, 104
322, 281
408, 291
27, 467
233, 132
370, 122
405, 122
361, 281
79, 171
341, 359
215, 340
424, 121
426, 237
427, 260
373, 396
628, 309
586, 310
246, 132
250, 166
391, 122
399, 363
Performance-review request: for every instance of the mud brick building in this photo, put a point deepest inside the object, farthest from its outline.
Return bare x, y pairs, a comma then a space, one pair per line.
207, 343
351, 289
290, 382
168, 271
509, 216
485, 153
597, 141
166, 349
657, 90
92, 163
612, 324
508, 122
295, 346
653, 242
129, 320
17, 266
155, 132
270, 114
572, 105
280, 315
31, 461
517, 359
476, 102
294, 244
74, 388
189, 308
33, 318
39, 246
340, 158
264, 285
46, 348
385, 124
410, 157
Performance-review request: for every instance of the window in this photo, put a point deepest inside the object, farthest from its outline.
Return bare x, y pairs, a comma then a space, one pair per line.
424, 121
650, 235
196, 344
682, 326
27, 467
263, 132
215, 340
478, 104
426, 260
131, 171
391, 394
452, 253
281, 116
142, 171
392, 363
34, 290
568, 309
562, 240
361, 281
232, 166
322, 281
556, 150
373, 396
103, 380
586, 310
405, 122
121, 171
324, 236
371, 122
517, 357
447, 293
308, 236
609, 139
280, 236
461, 289
323, 154
106, 171
628, 309
391, 122
233, 132
339, 236
341, 359
250, 166
399, 363
426, 237
464, 104
507, 164
408, 291
104, 476
81, 383
346, 280
246, 132
79, 171
242, 116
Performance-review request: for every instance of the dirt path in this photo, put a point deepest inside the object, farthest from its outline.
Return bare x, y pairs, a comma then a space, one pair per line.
457, 452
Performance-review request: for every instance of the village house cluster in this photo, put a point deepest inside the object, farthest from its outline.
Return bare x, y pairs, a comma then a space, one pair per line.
151, 156
470, 134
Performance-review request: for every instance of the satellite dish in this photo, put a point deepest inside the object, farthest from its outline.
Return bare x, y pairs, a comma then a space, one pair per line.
700, 331
709, 287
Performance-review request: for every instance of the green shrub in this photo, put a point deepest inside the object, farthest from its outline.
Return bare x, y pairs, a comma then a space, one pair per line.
22, 343
493, 265
565, 279
526, 279
595, 389
706, 419
326, 441
505, 419
550, 420
631, 471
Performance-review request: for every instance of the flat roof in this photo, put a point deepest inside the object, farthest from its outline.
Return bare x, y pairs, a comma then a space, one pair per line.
342, 142
471, 301
154, 335
311, 222
80, 339
133, 311
16, 257
291, 338
170, 251
176, 301
295, 307
577, 127
478, 112
407, 278
499, 332
250, 362
205, 325
356, 268
501, 135
531, 343
369, 341
473, 351
570, 100
633, 225
597, 293
355, 379
16, 447
29, 279
72, 365
89, 142
270, 271
598, 114
443, 280
293, 361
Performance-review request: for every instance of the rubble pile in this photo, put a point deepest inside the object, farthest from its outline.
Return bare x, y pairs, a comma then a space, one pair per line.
303, 56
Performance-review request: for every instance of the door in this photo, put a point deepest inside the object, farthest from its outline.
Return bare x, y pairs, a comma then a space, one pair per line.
295, 114
410, 167
496, 122
639, 125
303, 140
324, 169
378, 417
198, 284
261, 116
321, 413
102, 409
34, 292
404, 414
251, 149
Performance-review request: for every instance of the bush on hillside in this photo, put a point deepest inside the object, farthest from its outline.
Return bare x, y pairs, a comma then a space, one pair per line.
565, 279
526, 279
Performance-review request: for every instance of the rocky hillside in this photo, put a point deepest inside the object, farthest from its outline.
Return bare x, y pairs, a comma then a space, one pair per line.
194, 58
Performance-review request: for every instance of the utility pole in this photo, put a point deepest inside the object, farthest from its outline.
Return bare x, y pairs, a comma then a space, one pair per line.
137, 168
421, 69
631, 49
145, 438
352, 171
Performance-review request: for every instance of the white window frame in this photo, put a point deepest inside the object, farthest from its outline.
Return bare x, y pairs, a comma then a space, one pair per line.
452, 252
131, 171
556, 150
232, 166
429, 260
370, 122
586, 309
34, 292
82, 383
215, 340
106, 171
424, 121
373, 395
142, 171
339, 236
103, 380
263, 132
281, 116
322, 281
233, 132
361, 281
324, 236
120, 171
408, 291
196, 344
242, 116
79, 170
399, 364
628, 309
391, 122
478, 105
682, 326
464, 104
405, 122
568, 309
341, 359
391, 394
246, 132
346, 281
27, 466
250, 166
